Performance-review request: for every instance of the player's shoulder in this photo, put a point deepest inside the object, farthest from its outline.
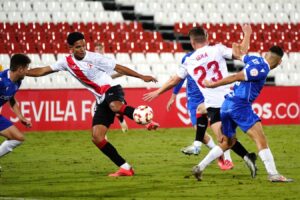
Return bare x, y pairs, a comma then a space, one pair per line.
217, 45
186, 56
3, 73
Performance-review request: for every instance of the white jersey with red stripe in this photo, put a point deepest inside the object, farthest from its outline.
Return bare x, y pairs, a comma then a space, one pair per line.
208, 63
92, 71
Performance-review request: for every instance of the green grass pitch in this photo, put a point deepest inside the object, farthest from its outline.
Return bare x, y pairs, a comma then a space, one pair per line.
66, 165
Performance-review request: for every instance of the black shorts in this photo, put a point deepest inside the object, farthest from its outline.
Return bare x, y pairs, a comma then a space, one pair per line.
213, 115
103, 114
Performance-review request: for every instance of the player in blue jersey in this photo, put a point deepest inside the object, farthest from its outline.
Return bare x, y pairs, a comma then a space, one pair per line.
10, 82
237, 111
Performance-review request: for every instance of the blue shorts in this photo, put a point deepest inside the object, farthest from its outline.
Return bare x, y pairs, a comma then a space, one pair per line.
233, 116
192, 106
4, 123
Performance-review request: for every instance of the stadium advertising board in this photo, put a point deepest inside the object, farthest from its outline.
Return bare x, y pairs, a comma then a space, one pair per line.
73, 109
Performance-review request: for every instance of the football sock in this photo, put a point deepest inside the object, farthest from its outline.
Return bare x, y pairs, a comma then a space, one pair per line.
239, 149
8, 146
110, 151
127, 110
126, 166
211, 144
227, 155
213, 154
267, 158
197, 143
202, 123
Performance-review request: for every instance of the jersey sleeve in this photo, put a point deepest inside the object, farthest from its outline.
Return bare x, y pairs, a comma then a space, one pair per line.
254, 73
182, 71
60, 65
225, 51
105, 63
178, 87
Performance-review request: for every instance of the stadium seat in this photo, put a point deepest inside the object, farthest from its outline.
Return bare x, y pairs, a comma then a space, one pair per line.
9, 6
167, 58
39, 6
53, 6
24, 6
153, 58
138, 58
123, 58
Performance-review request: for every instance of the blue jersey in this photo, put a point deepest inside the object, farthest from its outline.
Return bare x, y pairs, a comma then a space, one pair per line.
256, 71
8, 88
192, 90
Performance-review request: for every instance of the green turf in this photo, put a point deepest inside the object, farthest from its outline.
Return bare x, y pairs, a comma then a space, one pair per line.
66, 165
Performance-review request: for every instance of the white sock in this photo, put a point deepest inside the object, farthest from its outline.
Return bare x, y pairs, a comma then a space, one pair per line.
211, 144
8, 145
126, 166
227, 155
197, 143
267, 158
213, 154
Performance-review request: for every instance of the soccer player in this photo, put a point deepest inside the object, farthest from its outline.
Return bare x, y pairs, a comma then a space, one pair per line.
194, 99
208, 62
237, 111
99, 48
92, 70
10, 82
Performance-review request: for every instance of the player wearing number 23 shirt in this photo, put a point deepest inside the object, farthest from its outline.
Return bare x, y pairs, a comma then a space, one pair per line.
208, 63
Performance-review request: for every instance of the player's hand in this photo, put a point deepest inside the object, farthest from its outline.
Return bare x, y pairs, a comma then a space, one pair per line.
150, 96
208, 84
247, 29
170, 103
149, 79
26, 122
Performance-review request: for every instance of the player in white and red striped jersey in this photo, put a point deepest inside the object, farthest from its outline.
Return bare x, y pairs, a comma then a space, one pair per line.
92, 70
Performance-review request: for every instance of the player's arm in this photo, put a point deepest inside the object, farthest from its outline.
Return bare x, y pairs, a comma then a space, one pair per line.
116, 75
168, 85
129, 72
240, 49
174, 94
40, 71
16, 109
240, 76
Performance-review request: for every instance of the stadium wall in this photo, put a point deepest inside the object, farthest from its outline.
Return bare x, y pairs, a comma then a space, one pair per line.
72, 109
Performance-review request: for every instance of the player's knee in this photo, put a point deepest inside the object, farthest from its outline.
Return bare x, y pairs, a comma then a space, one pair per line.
115, 107
19, 137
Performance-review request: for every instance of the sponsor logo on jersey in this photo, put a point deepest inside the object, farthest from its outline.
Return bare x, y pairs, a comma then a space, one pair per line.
253, 72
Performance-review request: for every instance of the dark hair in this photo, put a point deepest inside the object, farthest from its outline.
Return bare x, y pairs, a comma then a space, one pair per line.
74, 37
19, 60
277, 50
198, 34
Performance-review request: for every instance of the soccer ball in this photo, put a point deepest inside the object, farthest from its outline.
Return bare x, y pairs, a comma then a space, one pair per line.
143, 114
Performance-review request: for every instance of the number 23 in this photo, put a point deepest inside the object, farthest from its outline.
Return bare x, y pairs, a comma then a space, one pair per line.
216, 70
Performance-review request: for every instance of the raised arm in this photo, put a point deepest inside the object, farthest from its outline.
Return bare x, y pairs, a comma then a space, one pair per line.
40, 71
243, 47
240, 76
129, 72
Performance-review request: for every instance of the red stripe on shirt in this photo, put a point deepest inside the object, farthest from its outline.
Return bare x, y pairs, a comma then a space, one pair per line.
99, 89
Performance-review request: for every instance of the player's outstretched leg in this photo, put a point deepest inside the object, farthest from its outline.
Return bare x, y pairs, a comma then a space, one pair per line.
99, 139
